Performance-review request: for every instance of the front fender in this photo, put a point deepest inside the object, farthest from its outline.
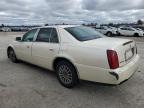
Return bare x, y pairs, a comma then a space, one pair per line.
10, 45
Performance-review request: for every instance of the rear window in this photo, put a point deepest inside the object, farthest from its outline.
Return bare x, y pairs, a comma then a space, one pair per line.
82, 33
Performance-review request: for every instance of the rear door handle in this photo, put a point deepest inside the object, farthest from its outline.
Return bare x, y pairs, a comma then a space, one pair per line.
28, 46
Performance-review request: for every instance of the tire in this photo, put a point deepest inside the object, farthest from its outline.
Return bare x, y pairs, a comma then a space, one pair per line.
136, 35
109, 34
118, 33
66, 74
12, 55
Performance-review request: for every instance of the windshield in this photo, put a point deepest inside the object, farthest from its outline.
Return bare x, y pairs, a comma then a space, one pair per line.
82, 33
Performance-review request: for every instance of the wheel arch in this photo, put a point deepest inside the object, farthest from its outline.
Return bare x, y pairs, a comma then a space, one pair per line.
8, 48
61, 58
136, 33
109, 32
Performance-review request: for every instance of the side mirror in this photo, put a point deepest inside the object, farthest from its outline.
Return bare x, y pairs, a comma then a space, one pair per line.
18, 38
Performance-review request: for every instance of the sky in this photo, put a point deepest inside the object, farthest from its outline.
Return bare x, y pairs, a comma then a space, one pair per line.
21, 12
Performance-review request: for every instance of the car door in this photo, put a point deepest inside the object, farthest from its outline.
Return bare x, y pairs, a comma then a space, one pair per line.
103, 30
45, 47
130, 31
124, 31
23, 47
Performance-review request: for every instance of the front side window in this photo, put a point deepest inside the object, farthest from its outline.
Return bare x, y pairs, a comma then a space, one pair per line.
28, 37
44, 35
82, 33
101, 27
123, 28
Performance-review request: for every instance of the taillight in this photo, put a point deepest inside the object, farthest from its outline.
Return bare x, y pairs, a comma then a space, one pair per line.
112, 59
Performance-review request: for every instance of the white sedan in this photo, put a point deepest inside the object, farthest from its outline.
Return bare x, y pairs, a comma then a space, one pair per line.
109, 31
129, 31
77, 52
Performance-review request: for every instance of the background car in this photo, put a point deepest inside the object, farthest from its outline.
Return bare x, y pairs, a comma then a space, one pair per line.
139, 29
6, 29
129, 31
109, 31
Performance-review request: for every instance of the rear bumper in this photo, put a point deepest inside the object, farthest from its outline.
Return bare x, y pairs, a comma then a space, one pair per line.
125, 72
101, 75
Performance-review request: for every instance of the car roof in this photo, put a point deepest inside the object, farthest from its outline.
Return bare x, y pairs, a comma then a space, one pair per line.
56, 26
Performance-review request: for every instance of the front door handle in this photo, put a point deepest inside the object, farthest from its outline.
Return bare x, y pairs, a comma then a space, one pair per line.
51, 49
28, 46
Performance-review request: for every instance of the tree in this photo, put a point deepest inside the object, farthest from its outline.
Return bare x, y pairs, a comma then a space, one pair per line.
139, 22
2, 25
110, 24
46, 24
83, 24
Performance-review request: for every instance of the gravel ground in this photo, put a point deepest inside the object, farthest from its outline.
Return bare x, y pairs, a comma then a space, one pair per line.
26, 86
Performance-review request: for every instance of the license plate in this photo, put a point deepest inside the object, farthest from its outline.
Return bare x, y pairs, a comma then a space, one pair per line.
129, 54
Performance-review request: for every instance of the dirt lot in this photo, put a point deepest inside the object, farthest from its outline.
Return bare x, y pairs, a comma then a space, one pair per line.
27, 86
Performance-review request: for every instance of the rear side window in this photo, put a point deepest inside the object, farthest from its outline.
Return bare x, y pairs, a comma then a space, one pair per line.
47, 35
123, 28
44, 35
54, 36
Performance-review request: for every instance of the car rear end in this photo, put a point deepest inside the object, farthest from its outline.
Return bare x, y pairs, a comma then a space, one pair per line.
141, 33
123, 61
114, 31
102, 59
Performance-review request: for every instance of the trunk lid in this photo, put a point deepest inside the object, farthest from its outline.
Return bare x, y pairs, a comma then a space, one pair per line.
126, 52
125, 48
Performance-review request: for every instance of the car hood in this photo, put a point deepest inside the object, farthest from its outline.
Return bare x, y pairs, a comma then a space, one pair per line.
106, 42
